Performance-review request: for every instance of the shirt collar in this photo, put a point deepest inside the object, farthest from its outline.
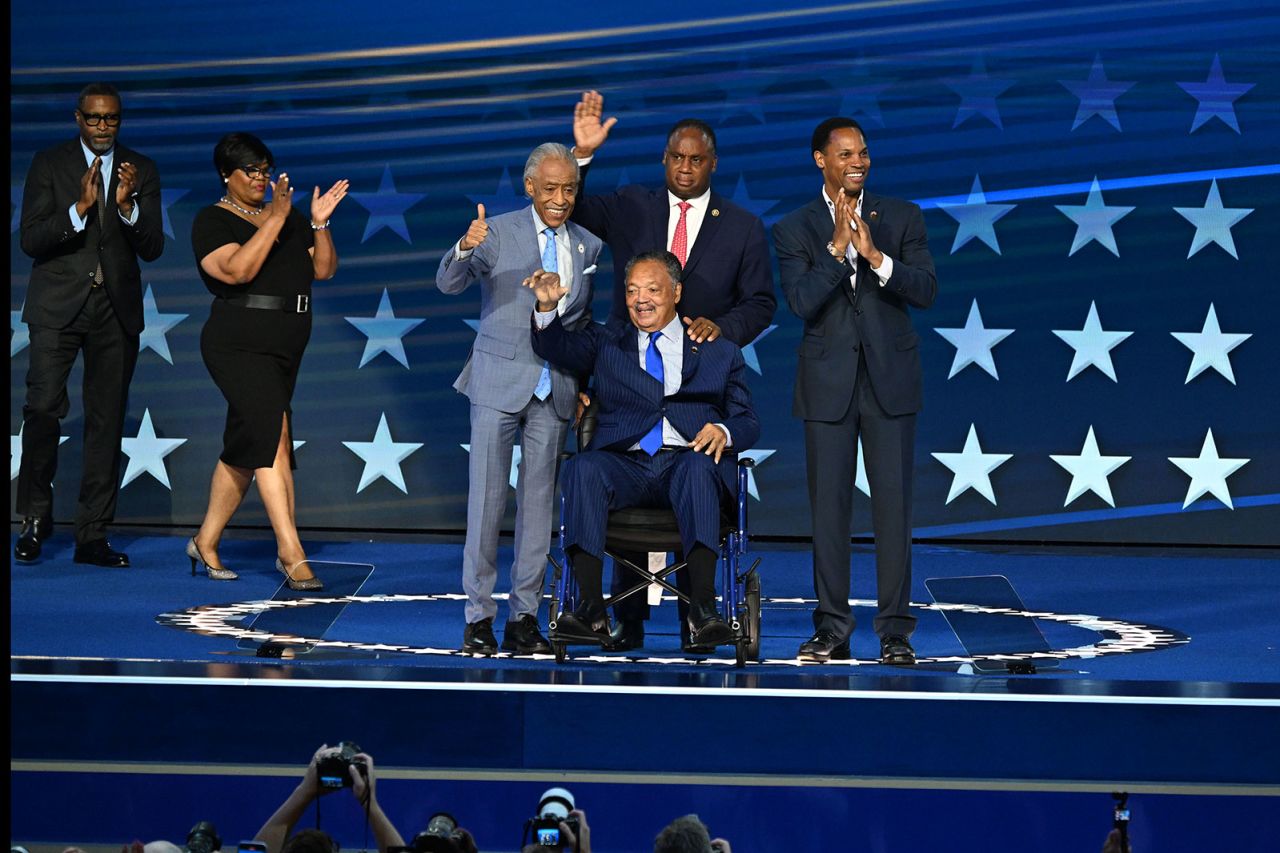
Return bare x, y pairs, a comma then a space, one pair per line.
698, 203
541, 226
673, 331
831, 205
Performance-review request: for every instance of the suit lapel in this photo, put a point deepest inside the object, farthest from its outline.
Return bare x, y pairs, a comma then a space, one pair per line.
821, 223
527, 239
691, 357
577, 255
659, 218
706, 232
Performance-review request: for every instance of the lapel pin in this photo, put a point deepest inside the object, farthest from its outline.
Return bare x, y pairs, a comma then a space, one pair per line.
715, 211
693, 348
874, 214
582, 249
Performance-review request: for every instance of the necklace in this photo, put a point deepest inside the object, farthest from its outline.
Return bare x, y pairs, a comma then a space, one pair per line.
227, 201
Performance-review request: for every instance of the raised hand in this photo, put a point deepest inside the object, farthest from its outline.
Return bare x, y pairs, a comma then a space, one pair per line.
844, 229
322, 206
281, 198
127, 186
90, 186
862, 242
546, 288
588, 131
476, 232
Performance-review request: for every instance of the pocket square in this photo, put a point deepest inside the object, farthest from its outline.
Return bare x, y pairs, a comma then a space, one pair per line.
589, 270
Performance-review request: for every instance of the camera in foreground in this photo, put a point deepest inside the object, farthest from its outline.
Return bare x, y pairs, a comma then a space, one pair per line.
332, 769
553, 810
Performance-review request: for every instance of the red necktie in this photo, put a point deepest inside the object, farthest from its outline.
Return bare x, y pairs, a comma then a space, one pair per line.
680, 242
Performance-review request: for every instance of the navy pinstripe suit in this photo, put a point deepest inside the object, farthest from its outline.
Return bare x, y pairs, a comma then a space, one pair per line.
713, 389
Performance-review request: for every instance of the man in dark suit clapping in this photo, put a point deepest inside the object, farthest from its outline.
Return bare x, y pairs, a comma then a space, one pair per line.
672, 413
90, 210
726, 280
852, 264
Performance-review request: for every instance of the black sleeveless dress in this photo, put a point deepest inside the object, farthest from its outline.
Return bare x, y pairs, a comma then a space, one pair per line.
253, 354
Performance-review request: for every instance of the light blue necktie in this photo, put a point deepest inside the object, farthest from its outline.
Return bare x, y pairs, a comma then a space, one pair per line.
653, 366
550, 263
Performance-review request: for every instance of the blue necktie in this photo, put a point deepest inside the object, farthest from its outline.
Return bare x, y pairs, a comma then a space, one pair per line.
550, 263
653, 366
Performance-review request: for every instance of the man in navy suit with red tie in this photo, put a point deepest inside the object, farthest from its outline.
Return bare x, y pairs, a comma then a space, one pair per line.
673, 411
852, 266
726, 277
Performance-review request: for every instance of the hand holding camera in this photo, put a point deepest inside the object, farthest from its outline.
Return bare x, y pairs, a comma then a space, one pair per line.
340, 766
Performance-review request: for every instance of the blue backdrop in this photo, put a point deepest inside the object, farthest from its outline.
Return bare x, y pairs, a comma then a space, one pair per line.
1099, 183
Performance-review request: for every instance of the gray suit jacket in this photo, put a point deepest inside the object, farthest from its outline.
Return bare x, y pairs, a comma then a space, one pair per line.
503, 370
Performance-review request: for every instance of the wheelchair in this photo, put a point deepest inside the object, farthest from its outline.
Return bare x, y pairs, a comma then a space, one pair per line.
645, 529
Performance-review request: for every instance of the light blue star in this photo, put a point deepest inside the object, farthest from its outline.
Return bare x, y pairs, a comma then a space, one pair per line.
978, 93
513, 476
1213, 222
15, 198
758, 206
1093, 220
1092, 344
758, 455
1097, 95
976, 218
1216, 98
155, 325
1211, 347
167, 198
749, 351
860, 480
973, 343
1208, 472
21, 334
15, 451
385, 332
504, 199
382, 456
971, 468
146, 453
474, 324
387, 208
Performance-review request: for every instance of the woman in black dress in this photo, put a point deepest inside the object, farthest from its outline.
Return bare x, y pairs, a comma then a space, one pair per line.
258, 260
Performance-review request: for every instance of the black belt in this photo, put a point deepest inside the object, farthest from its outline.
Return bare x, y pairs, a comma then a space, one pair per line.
299, 304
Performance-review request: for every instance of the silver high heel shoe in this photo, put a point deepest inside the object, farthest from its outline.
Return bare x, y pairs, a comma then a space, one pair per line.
298, 586
214, 573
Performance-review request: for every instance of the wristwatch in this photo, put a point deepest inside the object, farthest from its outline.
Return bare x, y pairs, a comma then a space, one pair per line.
836, 253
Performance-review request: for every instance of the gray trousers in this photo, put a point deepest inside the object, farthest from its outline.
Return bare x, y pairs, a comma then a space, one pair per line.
493, 438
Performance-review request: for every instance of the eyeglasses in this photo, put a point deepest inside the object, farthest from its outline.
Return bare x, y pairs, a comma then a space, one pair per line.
94, 119
256, 171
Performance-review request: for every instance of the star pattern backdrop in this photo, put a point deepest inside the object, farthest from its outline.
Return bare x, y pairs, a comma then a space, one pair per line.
1099, 185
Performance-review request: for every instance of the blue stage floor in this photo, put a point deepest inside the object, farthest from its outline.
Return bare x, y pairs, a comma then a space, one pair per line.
1162, 677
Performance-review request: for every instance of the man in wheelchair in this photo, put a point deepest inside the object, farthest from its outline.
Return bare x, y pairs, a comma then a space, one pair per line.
672, 415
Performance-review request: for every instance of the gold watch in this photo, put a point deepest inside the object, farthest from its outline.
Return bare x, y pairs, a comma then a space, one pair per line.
835, 253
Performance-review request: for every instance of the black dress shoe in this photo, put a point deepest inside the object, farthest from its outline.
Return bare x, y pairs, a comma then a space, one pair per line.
35, 530
824, 646
523, 637
707, 627
581, 627
896, 649
99, 553
627, 634
478, 638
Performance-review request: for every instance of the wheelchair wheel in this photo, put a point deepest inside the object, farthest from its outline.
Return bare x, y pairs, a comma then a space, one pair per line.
752, 643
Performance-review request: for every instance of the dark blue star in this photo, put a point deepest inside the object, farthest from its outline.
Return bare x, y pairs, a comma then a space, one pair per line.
1097, 95
1217, 98
978, 93
503, 200
387, 207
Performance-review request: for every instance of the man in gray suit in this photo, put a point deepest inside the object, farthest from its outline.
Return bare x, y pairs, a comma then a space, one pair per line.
511, 389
